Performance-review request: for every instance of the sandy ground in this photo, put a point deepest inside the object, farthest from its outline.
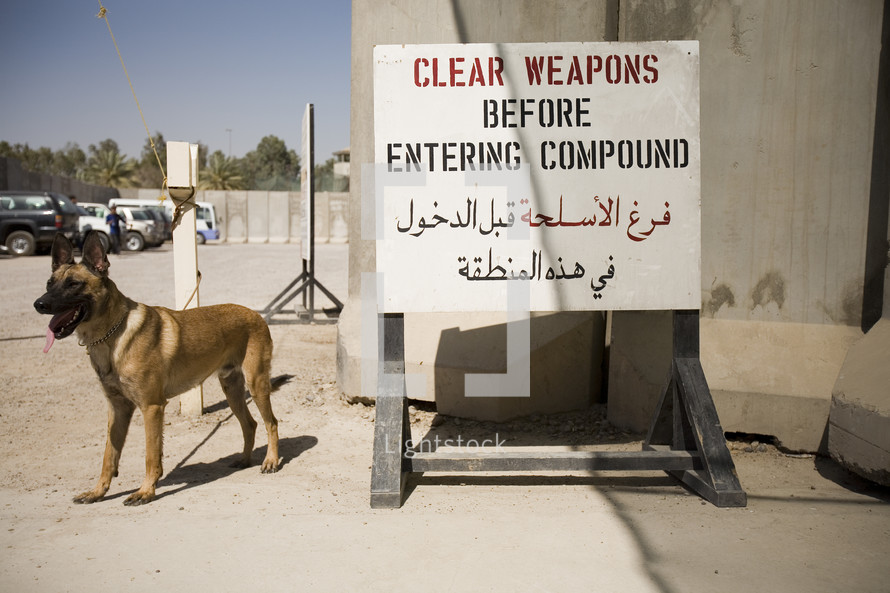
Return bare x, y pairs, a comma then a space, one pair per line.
808, 527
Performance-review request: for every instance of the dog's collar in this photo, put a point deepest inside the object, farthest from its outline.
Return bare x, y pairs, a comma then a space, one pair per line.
106, 336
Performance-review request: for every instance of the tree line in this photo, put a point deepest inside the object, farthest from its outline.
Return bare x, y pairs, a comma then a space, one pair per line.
271, 166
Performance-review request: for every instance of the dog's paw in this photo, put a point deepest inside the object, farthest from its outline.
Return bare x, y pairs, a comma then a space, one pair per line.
87, 497
139, 498
270, 466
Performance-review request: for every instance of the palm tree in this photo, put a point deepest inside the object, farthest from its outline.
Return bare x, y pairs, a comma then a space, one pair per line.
222, 172
107, 166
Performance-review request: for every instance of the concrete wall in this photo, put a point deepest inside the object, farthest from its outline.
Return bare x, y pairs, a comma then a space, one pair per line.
268, 216
787, 120
788, 104
788, 108
14, 177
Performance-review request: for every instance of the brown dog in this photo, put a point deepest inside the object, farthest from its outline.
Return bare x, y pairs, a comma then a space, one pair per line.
146, 355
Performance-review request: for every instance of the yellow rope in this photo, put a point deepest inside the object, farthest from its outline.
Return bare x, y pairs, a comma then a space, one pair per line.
103, 15
194, 292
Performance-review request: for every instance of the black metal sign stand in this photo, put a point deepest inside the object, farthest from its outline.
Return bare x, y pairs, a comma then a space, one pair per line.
685, 438
306, 282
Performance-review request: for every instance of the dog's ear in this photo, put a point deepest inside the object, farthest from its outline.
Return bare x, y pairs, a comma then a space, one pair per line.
62, 251
94, 256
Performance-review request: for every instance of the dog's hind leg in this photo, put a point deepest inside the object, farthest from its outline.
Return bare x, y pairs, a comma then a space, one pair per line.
120, 412
257, 368
261, 389
232, 381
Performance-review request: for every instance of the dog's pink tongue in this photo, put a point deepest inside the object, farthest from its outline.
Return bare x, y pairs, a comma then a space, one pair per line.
50, 339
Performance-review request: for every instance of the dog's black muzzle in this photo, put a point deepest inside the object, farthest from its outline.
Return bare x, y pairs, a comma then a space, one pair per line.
66, 316
43, 305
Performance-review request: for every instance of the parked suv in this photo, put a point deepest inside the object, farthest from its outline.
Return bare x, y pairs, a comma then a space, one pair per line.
29, 220
143, 230
141, 227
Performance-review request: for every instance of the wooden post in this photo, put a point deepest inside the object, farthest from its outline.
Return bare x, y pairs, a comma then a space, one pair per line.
185, 262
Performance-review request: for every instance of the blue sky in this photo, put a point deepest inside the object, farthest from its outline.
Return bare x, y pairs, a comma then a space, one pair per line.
199, 68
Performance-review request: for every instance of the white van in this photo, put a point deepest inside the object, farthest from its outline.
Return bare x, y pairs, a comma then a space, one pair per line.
206, 222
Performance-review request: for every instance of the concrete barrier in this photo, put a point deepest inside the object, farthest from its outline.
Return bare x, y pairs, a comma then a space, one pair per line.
268, 216
859, 421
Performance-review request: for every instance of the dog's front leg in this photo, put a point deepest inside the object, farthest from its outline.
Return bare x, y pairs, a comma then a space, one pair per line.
154, 445
120, 412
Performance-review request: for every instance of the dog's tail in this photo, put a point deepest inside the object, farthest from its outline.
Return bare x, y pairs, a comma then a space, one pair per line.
279, 381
